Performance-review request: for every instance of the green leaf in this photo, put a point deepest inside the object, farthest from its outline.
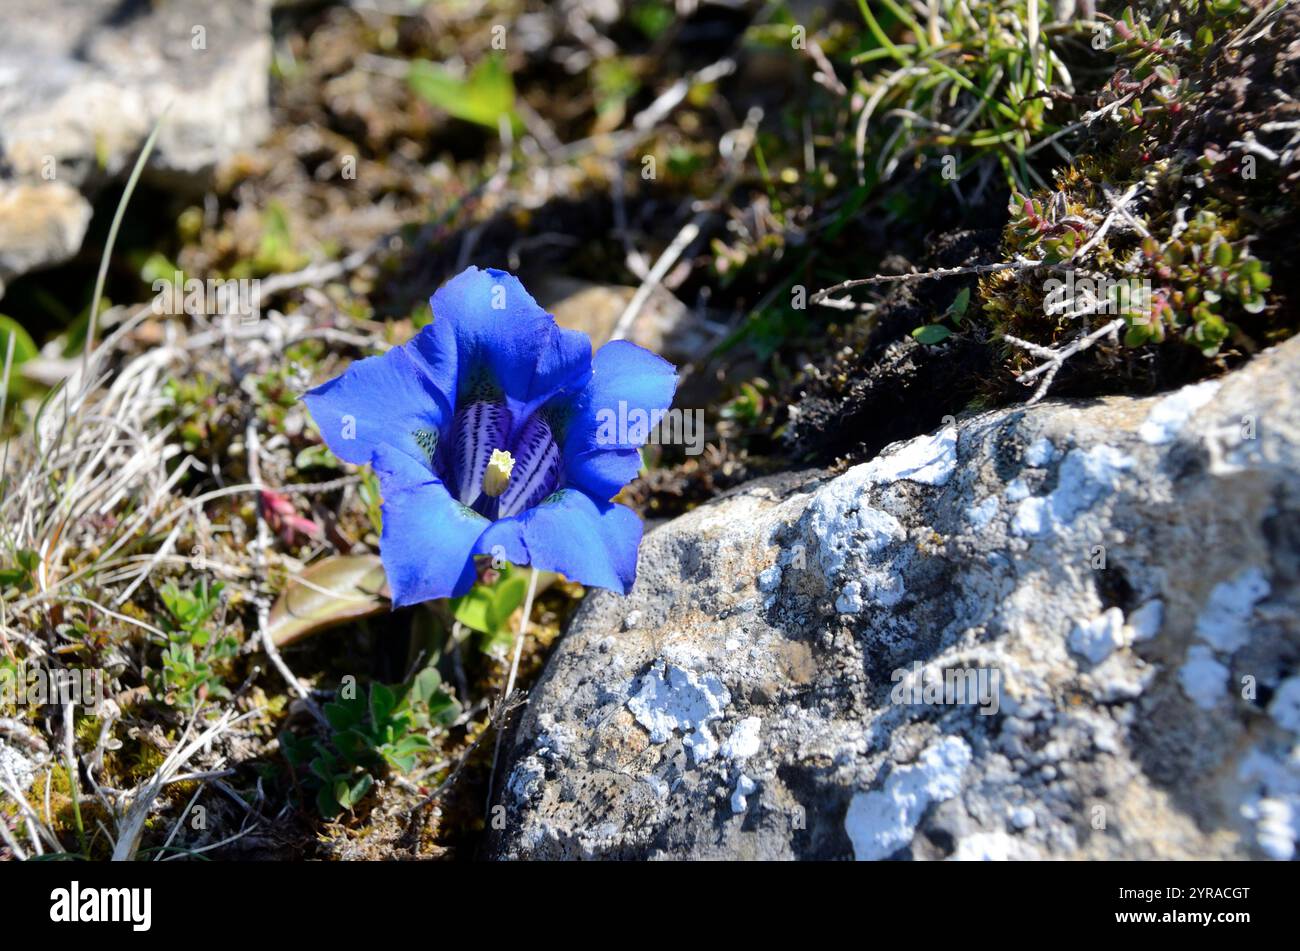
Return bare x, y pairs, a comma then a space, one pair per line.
329, 592
316, 456
158, 267
326, 803
323, 767
344, 714
425, 685
24, 349
355, 793
931, 333
297, 750
342, 793
653, 18
1223, 254
443, 708
354, 746
959, 304
488, 609
382, 703
485, 96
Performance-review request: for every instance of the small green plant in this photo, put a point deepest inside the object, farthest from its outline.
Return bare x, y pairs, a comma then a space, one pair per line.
195, 658
277, 251
389, 730
1046, 225
24, 349
488, 606
17, 576
748, 405
969, 84
1188, 277
484, 96
192, 404
1201, 274
275, 393
939, 331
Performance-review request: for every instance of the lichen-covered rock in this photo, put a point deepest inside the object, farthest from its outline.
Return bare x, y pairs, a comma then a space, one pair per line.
1066, 631
82, 83
16, 768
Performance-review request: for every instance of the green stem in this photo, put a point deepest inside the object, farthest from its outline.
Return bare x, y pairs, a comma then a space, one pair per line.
879, 34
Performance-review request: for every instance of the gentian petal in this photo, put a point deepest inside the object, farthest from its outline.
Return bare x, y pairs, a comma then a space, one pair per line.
590, 542
602, 473
384, 400
502, 340
628, 385
480, 428
428, 540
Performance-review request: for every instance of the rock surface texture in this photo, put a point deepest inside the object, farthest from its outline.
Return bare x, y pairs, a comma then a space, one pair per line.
82, 83
1105, 595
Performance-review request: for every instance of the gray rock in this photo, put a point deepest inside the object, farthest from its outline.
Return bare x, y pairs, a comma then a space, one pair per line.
14, 762
1059, 631
82, 83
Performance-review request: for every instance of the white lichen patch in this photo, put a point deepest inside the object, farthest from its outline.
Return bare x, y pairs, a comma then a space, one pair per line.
841, 521
1224, 624
526, 779
14, 763
1273, 804
874, 586
1021, 817
769, 578
1144, 623
1033, 517
850, 598
882, 821
744, 739
848, 534
1096, 639
981, 514
1040, 453
1017, 490
1202, 677
671, 699
989, 847
1284, 708
1170, 415
740, 797
1085, 477
928, 459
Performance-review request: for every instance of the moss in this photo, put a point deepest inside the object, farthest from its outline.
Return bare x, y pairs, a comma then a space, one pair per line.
1180, 274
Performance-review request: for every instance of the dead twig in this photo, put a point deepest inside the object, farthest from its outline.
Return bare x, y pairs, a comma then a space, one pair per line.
1054, 358
823, 297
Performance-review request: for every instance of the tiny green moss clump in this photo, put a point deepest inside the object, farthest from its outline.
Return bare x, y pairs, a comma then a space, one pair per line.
1157, 233
1205, 273
1172, 276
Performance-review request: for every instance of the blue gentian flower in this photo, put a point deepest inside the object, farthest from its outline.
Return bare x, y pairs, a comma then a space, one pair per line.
489, 433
